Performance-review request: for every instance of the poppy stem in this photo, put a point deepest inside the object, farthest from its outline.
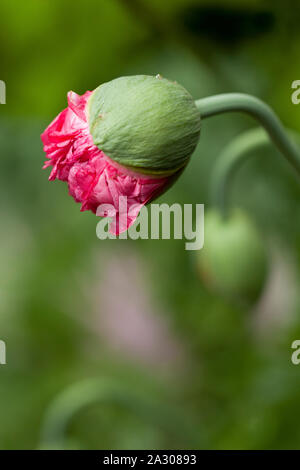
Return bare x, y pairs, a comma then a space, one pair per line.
218, 104
88, 392
231, 158
239, 149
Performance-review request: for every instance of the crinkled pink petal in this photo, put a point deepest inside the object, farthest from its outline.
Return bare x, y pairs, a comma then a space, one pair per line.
93, 179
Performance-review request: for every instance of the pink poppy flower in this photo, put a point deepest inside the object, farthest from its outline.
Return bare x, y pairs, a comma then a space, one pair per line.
94, 179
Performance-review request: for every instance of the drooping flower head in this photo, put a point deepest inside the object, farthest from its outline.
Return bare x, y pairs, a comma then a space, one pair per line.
130, 137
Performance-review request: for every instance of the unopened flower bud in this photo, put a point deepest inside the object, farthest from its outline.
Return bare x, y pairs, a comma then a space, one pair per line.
130, 137
144, 122
234, 259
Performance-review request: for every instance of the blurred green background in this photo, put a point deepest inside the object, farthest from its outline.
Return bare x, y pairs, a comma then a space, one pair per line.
186, 367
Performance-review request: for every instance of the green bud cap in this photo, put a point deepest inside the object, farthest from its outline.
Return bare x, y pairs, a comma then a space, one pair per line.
147, 123
233, 260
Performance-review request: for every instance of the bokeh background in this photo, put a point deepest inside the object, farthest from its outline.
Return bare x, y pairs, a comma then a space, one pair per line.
121, 340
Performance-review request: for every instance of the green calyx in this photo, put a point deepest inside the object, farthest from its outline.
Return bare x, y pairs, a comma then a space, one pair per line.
147, 123
234, 259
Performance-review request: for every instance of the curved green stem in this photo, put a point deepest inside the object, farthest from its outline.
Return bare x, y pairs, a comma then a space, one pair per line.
219, 104
92, 391
231, 158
